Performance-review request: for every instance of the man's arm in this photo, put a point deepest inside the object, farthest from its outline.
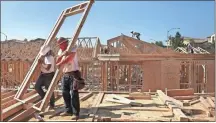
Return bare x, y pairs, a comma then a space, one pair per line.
59, 58
70, 56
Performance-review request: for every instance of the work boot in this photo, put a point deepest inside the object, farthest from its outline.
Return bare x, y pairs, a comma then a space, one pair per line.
52, 106
75, 118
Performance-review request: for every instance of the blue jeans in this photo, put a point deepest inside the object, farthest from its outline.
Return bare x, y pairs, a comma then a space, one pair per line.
70, 96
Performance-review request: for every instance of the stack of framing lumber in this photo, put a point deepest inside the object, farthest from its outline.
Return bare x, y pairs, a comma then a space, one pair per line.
171, 103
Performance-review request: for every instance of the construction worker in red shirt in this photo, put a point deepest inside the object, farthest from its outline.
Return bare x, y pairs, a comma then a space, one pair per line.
71, 73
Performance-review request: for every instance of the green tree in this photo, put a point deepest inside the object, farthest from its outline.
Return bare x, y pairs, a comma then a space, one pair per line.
177, 41
159, 43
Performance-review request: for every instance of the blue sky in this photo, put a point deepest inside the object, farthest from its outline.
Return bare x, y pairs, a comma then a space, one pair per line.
108, 19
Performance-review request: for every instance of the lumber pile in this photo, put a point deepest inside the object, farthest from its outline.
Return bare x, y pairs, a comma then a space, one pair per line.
173, 105
209, 105
10, 106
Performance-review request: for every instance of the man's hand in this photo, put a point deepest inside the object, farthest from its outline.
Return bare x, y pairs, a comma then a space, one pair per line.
65, 53
40, 60
58, 66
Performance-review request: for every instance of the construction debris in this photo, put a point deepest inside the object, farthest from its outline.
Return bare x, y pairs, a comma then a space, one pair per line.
122, 100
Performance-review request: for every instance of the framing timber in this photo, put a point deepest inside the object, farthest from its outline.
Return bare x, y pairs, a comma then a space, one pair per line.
85, 8
176, 110
26, 82
85, 97
180, 92
18, 106
95, 106
24, 114
72, 43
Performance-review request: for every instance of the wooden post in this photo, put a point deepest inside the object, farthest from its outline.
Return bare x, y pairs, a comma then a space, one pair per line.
143, 77
105, 76
129, 78
102, 76
117, 77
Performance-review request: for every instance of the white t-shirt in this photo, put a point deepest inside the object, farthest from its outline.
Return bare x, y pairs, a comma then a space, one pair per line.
71, 65
48, 60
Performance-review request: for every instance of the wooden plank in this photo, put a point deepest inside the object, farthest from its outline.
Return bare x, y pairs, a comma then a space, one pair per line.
29, 94
136, 108
122, 100
205, 103
185, 97
5, 100
204, 94
75, 12
85, 97
18, 106
4, 92
213, 98
26, 81
194, 102
200, 120
9, 103
117, 76
180, 92
21, 116
176, 109
180, 115
8, 94
210, 102
146, 97
94, 107
159, 119
72, 43
105, 70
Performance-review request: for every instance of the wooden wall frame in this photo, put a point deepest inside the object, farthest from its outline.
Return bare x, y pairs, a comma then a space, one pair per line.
80, 8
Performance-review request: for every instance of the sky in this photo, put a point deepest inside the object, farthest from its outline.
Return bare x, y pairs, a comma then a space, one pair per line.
108, 19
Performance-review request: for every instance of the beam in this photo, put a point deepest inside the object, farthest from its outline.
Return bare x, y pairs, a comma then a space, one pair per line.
7, 99
94, 108
117, 76
75, 12
185, 97
85, 97
144, 97
7, 94
153, 119
18, 106
136, 108
21, 116
210, 102
180, 92
205, 103
29, 94
9, 103
169, 102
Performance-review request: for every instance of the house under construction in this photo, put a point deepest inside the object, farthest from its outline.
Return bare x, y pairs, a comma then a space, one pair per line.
129, 81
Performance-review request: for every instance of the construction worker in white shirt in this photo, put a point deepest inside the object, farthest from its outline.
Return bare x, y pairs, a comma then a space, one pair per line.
47, 63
